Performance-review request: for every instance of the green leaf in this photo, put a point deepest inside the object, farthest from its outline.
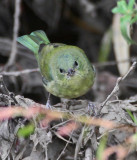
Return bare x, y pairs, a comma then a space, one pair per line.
124, 22
133, 20
123, 5
101, 147
117, 10
131, 4
132, 117
26, 130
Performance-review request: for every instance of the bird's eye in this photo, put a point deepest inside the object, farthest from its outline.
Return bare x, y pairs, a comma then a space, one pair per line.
61, 70
76, 63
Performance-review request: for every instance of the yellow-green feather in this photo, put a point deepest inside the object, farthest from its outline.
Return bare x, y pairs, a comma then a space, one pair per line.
34, 40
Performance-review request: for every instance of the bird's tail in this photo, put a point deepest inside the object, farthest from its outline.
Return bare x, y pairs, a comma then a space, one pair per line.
34, 40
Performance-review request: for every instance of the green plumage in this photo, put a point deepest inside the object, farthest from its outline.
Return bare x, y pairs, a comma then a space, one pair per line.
34, 40
66, 70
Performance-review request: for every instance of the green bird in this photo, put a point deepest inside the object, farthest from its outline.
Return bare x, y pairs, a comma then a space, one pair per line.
65, 69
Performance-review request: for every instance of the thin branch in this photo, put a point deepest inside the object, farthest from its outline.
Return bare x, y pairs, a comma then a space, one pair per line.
15, 34
116, 88
79, 142
14, 142
63, 151
88, 154
19, 73
113, 63
3, 86
6, 91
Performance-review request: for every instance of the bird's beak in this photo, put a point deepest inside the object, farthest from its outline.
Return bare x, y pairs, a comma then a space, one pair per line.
71, 72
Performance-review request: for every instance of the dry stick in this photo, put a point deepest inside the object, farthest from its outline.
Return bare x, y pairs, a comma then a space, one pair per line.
88, 154
15, 34
112, 63
63, 150
3, 86
65, 147
20, 154
79, 142
19, 73
116, 88
13, 143
6, 91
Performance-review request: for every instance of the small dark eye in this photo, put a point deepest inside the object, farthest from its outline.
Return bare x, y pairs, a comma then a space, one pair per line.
61, 70
76, 63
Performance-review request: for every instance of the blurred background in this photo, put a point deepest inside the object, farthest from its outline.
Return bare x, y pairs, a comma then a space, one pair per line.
88, 24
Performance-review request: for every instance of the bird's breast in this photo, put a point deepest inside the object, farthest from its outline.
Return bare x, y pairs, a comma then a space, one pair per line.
70, 87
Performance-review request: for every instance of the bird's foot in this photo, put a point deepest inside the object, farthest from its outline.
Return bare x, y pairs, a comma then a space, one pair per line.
91, 107
48, 105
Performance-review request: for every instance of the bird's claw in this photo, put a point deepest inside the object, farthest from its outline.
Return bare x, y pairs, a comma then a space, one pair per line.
48, 106
91, 107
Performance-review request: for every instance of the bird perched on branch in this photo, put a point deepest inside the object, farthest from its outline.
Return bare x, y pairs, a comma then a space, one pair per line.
65, 69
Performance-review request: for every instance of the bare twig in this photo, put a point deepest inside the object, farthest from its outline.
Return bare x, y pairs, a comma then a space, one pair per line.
6, 91
88, 154
14, 142
19, 73
60, 124
113, 63
3, 86
116, 88
20, 155
79, 142
59, 136
63, 151
15, 34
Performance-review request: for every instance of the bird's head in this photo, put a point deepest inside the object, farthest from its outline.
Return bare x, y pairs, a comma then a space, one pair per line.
70, 63
67, 66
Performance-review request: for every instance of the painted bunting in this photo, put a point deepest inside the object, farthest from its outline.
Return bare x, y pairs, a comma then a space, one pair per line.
65, 69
